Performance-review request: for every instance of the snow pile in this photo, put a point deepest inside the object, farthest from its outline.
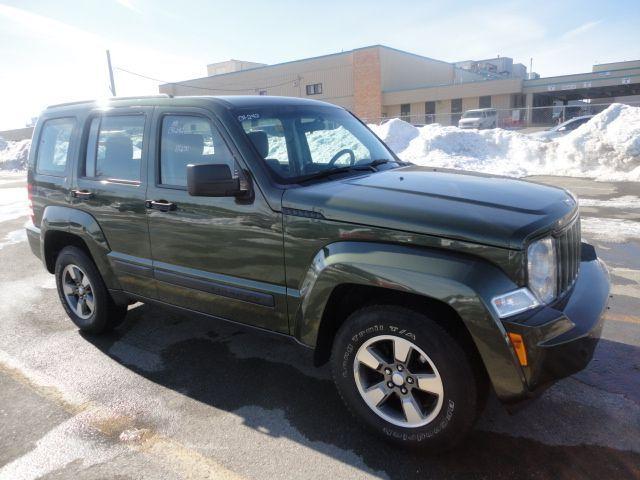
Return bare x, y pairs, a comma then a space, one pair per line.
397, 134
14, 155
605, 148
324, 146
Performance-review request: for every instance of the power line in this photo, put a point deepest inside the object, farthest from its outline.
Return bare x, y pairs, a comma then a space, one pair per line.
205, 88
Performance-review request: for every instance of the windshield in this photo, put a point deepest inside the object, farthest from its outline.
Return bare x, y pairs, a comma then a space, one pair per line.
472, 114
570, 124
299, 142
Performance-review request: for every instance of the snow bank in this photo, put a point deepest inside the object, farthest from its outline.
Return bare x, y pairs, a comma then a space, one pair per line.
605, 148
14, 155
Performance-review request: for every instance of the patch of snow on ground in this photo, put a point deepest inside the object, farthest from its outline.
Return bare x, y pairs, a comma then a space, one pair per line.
605, 148
14, 155
610, 229
13, 203
627, 202
11, 238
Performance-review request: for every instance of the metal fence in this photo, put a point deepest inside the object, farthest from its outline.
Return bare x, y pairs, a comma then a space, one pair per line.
510, 118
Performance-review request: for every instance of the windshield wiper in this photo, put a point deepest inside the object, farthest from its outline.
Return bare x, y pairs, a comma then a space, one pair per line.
334, 171
371, 166
378, 162
382, 161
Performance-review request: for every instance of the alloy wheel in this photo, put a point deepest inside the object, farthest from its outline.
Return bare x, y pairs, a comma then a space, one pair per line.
78, 291
398, 381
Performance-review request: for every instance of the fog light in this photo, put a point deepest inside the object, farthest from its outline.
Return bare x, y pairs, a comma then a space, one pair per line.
518, 346
514, 302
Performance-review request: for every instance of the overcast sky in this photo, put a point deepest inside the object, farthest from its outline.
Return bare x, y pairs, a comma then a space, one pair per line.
54, 51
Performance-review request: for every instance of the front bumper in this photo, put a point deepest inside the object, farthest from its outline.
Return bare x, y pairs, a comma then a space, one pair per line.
560, 338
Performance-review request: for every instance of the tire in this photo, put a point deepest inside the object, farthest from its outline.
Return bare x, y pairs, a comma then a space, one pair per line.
97, 313
444, 416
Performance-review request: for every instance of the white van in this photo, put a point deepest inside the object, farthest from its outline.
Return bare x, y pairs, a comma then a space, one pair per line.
480, 118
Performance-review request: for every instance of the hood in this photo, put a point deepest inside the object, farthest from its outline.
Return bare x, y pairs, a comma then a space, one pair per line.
475, 207
470, 120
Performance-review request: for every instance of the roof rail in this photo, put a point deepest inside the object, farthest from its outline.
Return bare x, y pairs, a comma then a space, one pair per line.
80, 102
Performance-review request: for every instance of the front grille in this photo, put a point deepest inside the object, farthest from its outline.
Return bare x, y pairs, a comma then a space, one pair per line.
568, 251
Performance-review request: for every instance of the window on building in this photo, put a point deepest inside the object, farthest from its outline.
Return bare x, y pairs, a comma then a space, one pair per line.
429, 112
188, 140
405, 112
314, 89
517, 100
53, 147
485, 101
456, 110
114, 147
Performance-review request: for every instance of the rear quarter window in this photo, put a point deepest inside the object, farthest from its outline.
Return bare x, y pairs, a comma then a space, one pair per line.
53, 146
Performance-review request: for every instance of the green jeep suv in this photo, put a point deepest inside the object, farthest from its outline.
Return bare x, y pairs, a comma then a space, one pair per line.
422, 287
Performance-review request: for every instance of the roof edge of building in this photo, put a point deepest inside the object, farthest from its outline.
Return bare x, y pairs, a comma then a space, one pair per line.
346, 52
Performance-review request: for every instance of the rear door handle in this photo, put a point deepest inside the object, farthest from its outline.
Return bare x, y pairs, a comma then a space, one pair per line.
161, 205
82, 194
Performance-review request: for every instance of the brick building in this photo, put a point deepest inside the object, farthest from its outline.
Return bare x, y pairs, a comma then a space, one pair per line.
376, 82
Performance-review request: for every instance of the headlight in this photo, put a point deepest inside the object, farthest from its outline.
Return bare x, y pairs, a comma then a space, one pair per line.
542, 270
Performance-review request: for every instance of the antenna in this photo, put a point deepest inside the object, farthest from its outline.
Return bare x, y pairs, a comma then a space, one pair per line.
113, 83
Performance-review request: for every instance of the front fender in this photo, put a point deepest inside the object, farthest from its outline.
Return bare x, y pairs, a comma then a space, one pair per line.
84, 226
464, 282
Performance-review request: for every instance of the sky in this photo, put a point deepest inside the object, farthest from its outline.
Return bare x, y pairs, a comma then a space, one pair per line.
54, 51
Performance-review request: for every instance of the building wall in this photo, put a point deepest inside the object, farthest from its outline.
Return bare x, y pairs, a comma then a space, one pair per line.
603, 67
231, 66
446, 92
17, 134
335, 72
501, 101
367, 83
401, 70
443, 108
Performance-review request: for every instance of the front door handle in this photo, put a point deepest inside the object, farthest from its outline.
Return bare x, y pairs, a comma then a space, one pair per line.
81, 194
161, 205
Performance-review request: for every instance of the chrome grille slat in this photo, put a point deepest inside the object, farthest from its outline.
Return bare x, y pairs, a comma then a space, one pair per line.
568, 251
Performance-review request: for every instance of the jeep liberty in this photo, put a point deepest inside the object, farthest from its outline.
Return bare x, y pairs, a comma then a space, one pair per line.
423, 288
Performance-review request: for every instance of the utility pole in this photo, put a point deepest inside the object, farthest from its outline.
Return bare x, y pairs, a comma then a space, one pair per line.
113, 84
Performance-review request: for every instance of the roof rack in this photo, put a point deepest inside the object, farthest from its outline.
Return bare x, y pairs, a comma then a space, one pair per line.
80, 102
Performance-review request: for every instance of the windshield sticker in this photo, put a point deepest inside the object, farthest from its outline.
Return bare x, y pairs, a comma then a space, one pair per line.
249, 116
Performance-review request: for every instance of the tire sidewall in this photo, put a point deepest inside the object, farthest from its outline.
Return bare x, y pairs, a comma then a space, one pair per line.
458, 409
72, 255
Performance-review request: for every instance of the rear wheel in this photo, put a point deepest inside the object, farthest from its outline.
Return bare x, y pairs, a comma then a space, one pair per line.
404, 377
83, 293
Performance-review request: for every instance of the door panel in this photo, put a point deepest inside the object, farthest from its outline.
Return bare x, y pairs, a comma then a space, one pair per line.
117, 146
220, 256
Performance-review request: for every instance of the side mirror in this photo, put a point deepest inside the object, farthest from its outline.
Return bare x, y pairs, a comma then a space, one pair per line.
562, 129
212, 180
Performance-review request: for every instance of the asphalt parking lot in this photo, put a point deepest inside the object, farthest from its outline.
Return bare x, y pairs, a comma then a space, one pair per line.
169, 396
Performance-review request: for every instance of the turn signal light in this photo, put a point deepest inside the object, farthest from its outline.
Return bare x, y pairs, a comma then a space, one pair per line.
518, 346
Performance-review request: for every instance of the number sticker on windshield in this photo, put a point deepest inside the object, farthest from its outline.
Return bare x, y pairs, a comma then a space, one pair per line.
249, 116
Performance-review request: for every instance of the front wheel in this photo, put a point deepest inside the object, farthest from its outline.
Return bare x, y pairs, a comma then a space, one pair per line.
405, 377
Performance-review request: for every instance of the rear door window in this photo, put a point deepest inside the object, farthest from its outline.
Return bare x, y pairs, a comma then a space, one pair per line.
190, 139
114, 149
53, 146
